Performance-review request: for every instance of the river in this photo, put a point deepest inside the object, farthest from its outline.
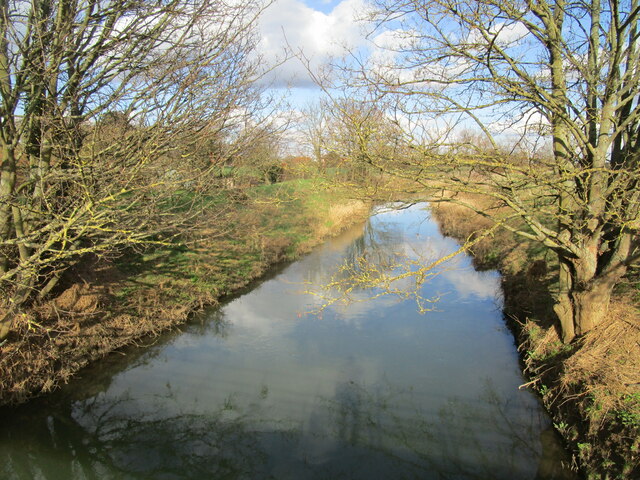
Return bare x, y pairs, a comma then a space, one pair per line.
269, 386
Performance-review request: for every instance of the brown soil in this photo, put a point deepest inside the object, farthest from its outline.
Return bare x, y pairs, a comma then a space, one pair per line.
59, 337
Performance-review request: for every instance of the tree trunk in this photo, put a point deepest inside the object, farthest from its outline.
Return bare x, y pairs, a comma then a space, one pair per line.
582, 304
7, 184
6, 323
591, 304
564, 306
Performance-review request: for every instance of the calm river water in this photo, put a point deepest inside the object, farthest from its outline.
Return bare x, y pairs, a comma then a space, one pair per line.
261, 388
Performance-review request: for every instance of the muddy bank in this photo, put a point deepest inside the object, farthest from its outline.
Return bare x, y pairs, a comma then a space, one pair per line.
590, 387
109, 303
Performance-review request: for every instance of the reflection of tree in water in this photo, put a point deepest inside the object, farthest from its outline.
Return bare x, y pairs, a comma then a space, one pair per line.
107, 438
211, 322
180, 445
349, 400
389, 259
378, 245
349, 405
359, 433
486, 439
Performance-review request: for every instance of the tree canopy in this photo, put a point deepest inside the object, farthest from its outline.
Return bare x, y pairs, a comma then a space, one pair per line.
524, 73
104, 106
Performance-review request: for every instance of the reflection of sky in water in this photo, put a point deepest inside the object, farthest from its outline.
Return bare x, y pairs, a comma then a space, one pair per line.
371, 390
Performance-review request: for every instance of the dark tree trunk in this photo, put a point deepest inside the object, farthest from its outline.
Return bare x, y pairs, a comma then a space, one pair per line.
585, 292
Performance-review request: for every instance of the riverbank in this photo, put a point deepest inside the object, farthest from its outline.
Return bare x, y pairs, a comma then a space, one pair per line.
109, 303
590, 387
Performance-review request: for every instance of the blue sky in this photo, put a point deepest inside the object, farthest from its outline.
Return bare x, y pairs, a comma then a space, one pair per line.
324, 6
323, 29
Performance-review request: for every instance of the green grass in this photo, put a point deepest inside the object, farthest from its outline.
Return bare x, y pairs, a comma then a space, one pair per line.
272, 224
184, 200
629, 415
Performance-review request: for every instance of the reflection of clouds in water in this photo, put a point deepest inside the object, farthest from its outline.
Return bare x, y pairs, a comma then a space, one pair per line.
362, 309
249, 316
309, 396
276, 310
427, 250
264, 317
394, 246
457, 273
394, 241
468, 282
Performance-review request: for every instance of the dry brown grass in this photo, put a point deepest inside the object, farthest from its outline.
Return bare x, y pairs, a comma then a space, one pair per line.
460, 222
592, 388
55, 339
608, 360
340, 215
595, 394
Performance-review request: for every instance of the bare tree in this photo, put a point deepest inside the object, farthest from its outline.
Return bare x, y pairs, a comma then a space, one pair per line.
104, 107
357, 131
314, 130
261, 160
527, 70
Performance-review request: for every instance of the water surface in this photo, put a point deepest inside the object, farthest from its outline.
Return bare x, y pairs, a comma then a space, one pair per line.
261, 388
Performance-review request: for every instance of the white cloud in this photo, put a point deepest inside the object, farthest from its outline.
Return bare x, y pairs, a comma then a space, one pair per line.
509, 34
318, 35
525, 129
504, 34
384, 58
471, 283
